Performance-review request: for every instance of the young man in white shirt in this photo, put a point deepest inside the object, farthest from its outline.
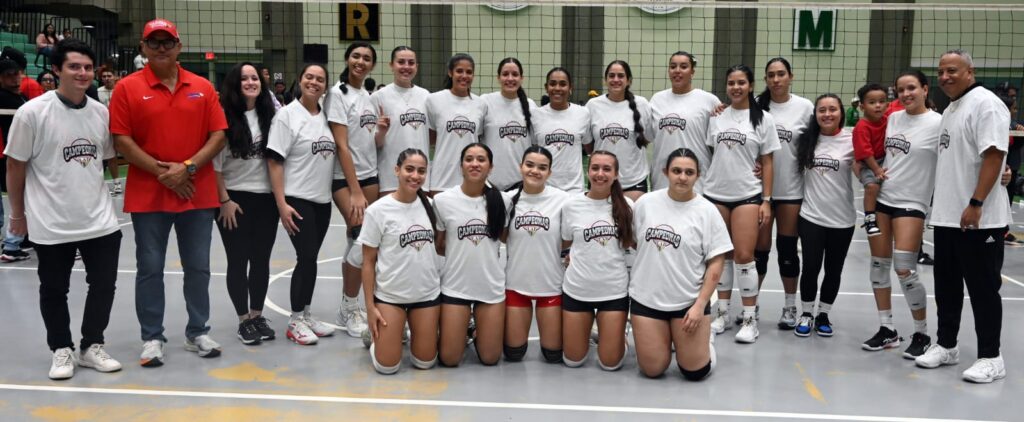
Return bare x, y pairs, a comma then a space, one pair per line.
971, 216
56, 147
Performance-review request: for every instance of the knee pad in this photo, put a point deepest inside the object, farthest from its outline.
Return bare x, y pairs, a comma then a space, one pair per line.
353, 232
698, 374
617, 366
725, 282
913, 289
422, 364
514, 354
573, 363
381, 369
551, 356
879, 273
761, 262
789, 260
354, 256
746, 277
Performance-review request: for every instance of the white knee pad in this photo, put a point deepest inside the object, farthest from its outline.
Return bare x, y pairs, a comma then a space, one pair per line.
422, 364
381, 369
725, 282
617, 366
354, 257
746, 278
573, 363
913, 289
879, 273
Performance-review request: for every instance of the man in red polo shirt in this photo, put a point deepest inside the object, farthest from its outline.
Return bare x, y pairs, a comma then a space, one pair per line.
168, 124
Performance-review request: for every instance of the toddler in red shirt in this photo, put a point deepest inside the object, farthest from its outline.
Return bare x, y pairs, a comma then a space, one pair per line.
869, 150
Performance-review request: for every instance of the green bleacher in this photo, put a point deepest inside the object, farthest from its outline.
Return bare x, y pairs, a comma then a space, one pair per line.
23, 43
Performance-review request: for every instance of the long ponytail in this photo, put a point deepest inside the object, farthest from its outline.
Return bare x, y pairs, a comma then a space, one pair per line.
424, 198
622, 213
524, 101
495, 203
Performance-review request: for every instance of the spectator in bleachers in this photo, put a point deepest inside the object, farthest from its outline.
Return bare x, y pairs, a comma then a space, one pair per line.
66, 34
46, 40
47, 80
265, 82
108, 79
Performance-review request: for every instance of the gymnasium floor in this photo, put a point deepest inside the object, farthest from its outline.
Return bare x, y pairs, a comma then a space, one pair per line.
781, 377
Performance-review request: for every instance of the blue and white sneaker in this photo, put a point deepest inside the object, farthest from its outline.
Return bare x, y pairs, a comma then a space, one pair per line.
803, 325
822, 326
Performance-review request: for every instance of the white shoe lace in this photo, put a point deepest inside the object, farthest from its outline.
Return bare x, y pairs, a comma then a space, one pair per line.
62, 358
357, 318
302, 328
99, 353
984, 366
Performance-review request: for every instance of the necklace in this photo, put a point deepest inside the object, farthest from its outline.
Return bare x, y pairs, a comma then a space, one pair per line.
736, 117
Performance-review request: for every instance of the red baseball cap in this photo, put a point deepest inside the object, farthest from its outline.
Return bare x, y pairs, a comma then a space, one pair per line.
157, 25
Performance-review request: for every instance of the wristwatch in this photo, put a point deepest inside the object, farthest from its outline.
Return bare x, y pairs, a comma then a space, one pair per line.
766, 199
190, 167
976, 203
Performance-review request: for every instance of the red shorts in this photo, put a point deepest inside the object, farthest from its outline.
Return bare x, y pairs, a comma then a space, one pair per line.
519, 300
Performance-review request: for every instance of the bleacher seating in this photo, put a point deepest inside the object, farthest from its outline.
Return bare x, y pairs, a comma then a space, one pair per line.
22, 42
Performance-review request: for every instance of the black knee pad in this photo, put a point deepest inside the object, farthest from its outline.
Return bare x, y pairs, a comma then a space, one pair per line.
761, 262
698, 374
551, 356
353, 232
789, 260
514, 354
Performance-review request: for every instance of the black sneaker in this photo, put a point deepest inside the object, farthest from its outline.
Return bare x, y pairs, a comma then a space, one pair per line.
248, 333
883, 339
918, 344
822, 326
27, 245
870, 226
260, 323
924, 259
14, 256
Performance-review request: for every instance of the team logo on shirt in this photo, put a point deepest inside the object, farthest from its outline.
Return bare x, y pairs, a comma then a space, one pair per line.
731, 138
475, 230
413, 117
824, 163
613, 133
601, 231
461, 126
663, 236
532, 221
896, 145
559, 139
255, 149
672, 122
944, 140
368, 120
513, 131
416, 236
324, 147
81, 150
785, 135
194, 95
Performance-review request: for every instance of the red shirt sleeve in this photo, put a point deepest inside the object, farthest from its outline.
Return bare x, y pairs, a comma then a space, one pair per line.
120, 112
862, 141
30, 88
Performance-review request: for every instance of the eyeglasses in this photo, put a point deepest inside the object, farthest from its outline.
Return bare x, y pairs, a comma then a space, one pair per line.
167, 43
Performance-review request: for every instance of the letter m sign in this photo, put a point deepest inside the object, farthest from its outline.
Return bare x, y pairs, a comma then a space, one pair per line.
814, 29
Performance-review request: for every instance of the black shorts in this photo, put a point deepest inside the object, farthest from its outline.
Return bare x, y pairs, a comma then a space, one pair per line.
898, 212
573, 305
449, 300
777, 202
410, 306
637, 308
339, 184
755, 200
639, 187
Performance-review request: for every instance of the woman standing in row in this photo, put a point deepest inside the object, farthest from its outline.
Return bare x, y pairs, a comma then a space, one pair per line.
563, 128
507, 123
617, 122
402, 121
455, 117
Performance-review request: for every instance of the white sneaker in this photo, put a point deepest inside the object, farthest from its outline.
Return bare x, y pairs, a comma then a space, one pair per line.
788, 319
152, 354
204, 346
352, 319
63, 366
97, 358
748, 331
986, 370
319, 328
720, 322
300, 333
937, 355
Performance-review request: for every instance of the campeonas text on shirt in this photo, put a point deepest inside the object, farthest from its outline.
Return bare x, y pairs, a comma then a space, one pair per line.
416, 236
412, 117
663, 236
532, 221
513, 131
613, 133
601, 232
824, 163
460, 125
897, 144
559, 139
475, 230
671, 123
81, 151
731, 138
785, 135
324, 147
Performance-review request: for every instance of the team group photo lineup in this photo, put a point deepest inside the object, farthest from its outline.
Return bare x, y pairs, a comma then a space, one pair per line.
617, 229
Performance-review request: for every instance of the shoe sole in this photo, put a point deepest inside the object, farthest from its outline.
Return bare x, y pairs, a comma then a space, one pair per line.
267, 338
62, 378
985, 381
296, 340
824, 334
785, 326
892, 345
799, 334
936, 366
909, 356
212, 353
91, 366
249, 342
151, 363
745, 341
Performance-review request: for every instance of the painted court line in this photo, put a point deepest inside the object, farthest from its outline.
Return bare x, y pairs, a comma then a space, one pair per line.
468, 404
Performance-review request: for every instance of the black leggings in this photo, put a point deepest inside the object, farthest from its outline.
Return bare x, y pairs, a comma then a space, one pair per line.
822, 245
316, 218
248, 248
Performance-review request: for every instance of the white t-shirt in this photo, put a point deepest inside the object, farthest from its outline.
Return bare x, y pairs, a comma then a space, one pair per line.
305, 142
974, 123
612, 129
674, 242
680, 121
104, 94
911, 151
472, 269
458, 122
407, 129
355, 112
66, 199
246, 173
791, 120
597, 262
828, 184
563, 133
737, 146
535, 244
506, 134
406, 261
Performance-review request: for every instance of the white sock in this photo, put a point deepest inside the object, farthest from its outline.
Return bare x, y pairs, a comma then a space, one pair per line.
749, 311
790, 300
296, 316
722, 306
921, 326
885, 318
824, 308
349, 302
808, 307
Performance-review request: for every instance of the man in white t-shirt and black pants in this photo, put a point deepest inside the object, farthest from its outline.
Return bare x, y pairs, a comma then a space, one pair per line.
971, 215
56, 147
